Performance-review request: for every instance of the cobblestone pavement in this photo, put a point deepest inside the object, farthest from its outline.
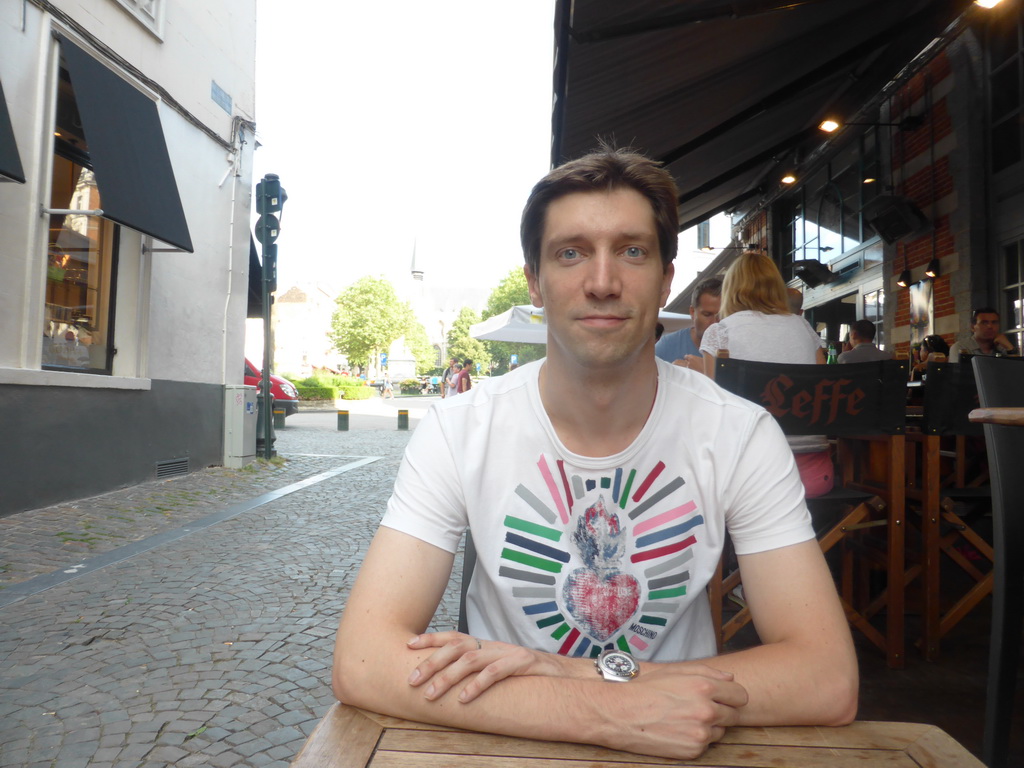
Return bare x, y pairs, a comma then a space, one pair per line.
206, 641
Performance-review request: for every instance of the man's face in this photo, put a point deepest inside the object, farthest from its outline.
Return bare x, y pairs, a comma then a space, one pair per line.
986, 326
705, 314
600, 281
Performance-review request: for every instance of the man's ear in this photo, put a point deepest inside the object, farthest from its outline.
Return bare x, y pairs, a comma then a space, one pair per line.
666, 287
533, 283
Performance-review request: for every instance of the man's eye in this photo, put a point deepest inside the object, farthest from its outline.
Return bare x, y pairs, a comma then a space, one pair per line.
570, 254
634, 252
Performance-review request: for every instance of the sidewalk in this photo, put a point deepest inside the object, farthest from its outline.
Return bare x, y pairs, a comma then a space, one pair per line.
190, 622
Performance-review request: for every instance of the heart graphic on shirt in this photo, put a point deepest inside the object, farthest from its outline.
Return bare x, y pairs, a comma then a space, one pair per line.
600, 604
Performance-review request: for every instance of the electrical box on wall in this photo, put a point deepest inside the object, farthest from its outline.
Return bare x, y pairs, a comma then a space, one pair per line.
895, 218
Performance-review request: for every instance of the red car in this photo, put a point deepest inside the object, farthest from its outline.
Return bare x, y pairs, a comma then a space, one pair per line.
285, 394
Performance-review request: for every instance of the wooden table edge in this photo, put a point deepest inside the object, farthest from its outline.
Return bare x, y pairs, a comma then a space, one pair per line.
1013, 417
346, 737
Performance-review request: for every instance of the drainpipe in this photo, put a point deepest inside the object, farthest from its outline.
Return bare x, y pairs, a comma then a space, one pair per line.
235, 160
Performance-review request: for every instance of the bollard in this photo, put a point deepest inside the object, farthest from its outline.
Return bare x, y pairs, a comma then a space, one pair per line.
343, 421
403, 419
278, 419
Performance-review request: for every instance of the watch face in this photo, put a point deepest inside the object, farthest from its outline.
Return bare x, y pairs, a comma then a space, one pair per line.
619, 664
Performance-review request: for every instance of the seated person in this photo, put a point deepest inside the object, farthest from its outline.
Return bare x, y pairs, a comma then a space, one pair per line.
757, 324
985, 337
930, 346
863, 349
682, 347
598, 484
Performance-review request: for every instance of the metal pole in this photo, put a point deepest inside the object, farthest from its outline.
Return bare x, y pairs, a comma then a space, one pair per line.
267, 404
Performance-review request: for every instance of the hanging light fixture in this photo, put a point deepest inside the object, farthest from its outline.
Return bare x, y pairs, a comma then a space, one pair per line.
933, 269
904, 279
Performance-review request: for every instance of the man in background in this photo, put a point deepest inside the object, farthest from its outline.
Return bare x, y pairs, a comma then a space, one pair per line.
985, 338
678, 346
862, 337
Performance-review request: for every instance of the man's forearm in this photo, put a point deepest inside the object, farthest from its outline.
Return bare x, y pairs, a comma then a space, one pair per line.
791, 684
670, 710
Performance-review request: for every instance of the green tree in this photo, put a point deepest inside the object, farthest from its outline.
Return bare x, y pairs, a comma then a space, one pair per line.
512, 291
419, 344
368, 320
461, 345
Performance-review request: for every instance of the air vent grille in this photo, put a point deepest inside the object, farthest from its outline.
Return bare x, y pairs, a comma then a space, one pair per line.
171, 468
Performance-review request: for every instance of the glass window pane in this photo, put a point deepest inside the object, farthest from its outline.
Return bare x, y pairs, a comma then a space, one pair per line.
1005, 144
1005, 91
1012, 309
76, 332
1003, 40
1011, 261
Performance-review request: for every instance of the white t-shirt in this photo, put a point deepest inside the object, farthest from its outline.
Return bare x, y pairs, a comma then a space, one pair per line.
578, 553
765, 338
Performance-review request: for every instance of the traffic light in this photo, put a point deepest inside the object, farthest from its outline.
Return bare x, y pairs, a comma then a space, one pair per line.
270, 199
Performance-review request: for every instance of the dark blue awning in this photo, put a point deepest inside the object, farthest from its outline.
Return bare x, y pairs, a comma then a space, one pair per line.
10, 162
127, 151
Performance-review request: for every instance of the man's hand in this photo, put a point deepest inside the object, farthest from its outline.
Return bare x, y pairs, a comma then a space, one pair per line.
458, 656
1003, 342
686, 708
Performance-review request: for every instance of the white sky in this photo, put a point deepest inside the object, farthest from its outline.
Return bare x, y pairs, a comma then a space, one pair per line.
402, 122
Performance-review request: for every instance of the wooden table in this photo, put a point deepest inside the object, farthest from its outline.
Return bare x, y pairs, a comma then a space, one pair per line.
1013, 417
353, 738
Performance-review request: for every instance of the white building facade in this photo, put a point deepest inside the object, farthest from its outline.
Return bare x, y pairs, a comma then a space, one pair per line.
126, 140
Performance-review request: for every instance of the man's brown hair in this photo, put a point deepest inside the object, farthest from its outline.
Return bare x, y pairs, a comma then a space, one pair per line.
605, 169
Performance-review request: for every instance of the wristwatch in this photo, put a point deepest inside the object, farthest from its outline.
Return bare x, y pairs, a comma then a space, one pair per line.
617, 666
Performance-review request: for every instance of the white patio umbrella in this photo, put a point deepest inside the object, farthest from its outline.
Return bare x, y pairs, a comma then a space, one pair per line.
525, 324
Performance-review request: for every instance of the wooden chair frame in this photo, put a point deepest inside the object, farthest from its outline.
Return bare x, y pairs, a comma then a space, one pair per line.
871, 462
950, 394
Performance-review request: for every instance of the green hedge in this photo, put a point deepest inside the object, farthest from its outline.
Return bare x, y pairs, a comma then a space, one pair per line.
362, 392
317, 393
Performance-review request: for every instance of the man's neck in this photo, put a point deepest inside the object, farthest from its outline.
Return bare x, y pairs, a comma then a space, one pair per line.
985, 345
598, 413
695, 338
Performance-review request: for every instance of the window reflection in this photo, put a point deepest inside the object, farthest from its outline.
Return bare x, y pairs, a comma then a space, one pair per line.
76, 331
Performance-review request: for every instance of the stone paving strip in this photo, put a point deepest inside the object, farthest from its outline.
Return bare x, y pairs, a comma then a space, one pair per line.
213, 649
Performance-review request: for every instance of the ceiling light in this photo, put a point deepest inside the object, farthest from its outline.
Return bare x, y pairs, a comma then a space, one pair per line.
870, 180
909, 123
933, 269
789, 178
987, 3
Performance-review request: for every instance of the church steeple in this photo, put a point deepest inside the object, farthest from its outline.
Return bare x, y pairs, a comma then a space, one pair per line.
417, 274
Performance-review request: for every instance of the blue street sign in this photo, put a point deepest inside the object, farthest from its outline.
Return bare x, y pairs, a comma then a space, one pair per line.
383, 358
514, 359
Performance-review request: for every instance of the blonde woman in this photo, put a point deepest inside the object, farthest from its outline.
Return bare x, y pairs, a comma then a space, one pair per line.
758, 324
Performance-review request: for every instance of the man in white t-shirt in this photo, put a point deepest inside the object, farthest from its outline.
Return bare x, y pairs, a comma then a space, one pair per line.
598, 484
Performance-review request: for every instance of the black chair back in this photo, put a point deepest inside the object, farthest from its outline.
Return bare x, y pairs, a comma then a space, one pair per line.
1001, 385
853, 399
950, 393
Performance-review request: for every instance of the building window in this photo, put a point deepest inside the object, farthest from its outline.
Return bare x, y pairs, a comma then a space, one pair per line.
1006, 86
824, 218
1012, 315
81, 255
149, 13
873, 310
